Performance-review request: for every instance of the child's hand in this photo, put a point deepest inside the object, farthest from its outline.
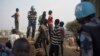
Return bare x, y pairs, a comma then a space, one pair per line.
39, 52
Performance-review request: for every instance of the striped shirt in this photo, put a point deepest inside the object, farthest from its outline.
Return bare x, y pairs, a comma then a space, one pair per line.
56, 38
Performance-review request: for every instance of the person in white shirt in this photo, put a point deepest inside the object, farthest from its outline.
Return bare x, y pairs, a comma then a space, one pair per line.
14, 36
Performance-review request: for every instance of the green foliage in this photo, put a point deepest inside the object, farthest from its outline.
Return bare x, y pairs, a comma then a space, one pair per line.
73, 26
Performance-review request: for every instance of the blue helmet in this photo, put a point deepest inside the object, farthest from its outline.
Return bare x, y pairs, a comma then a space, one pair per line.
84, 9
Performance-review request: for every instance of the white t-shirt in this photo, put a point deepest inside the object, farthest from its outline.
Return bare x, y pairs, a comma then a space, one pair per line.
12, 38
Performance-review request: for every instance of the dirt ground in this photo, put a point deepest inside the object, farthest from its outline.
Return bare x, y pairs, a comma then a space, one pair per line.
69, 48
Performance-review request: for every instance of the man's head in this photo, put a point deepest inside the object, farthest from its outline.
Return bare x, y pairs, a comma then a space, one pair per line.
44, 14
85, 11
21, 47
61, 23
17, 9
14, 31
32, 8
57, 21
50, 12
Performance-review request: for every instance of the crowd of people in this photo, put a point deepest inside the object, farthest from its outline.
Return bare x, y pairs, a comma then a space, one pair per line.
48, 35
89, 33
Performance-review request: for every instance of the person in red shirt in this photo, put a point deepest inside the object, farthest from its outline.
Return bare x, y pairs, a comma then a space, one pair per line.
50, 22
